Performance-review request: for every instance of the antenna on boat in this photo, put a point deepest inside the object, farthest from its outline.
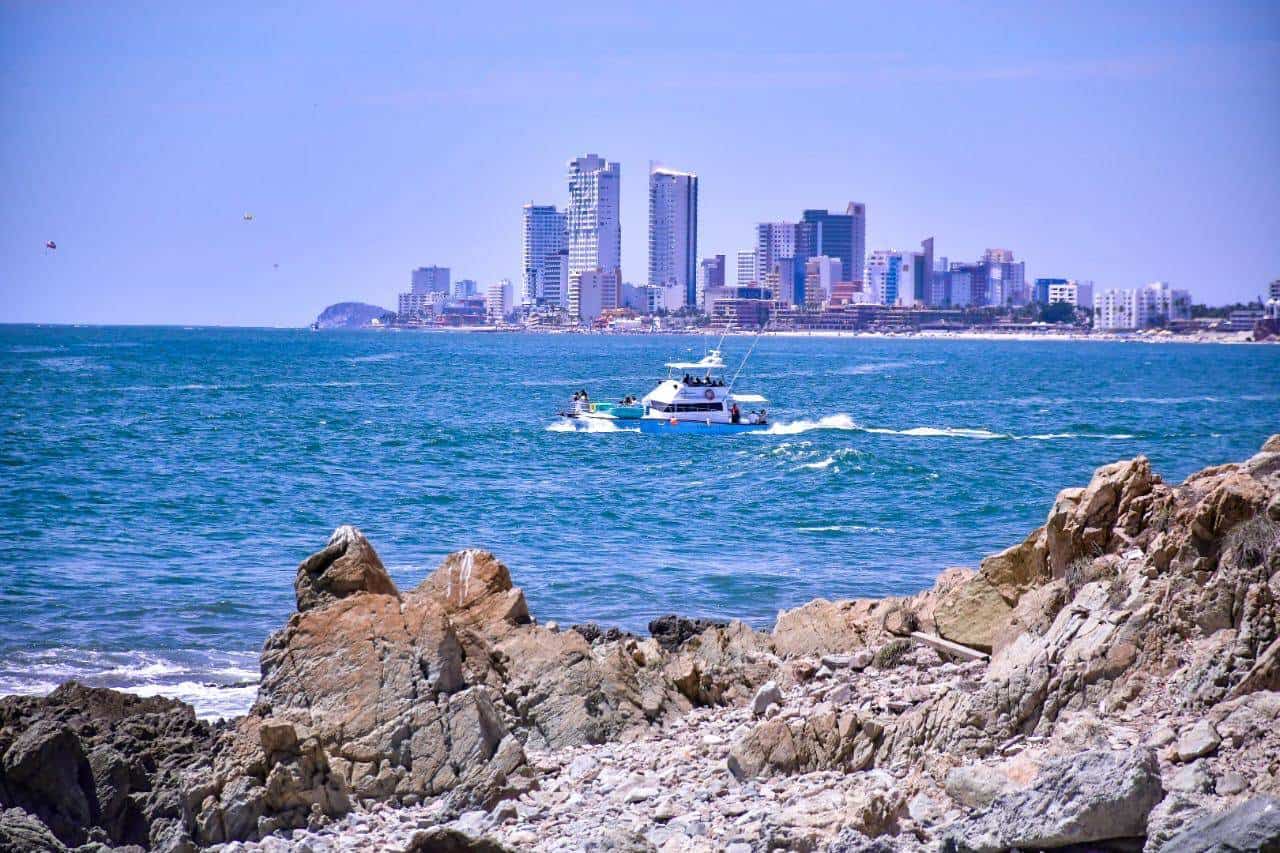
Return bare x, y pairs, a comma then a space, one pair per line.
750, 350
720, 344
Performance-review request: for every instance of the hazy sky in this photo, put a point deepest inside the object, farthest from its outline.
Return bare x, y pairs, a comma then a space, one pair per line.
1122, 145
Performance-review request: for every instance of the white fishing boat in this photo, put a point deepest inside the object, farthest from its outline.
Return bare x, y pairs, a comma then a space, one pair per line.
695, 397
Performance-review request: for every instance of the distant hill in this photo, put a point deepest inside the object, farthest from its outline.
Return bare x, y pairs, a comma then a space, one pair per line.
349, 315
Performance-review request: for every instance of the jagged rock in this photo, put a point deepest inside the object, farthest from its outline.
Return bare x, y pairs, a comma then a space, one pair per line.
397, 717
97, 763
46, 769
348, 564
1253, 825
722, 665
672, 631
1084, 521
1089, 797
23, 833
593, 633
821, 741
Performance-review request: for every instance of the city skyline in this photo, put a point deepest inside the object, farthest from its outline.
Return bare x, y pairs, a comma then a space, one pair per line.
1119, 146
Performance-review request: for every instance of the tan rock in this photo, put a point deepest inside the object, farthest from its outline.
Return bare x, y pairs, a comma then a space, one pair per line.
972, 614
348, 564
822, 627
1019, 568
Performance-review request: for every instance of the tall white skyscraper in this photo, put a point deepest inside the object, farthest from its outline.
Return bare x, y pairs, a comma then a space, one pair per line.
747, 274
592, 221
543, 239
673, 231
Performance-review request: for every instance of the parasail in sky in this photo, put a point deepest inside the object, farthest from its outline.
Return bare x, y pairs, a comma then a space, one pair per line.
248, 217
49, 244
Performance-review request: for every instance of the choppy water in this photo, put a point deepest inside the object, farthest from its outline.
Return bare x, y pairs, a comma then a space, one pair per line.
161, 485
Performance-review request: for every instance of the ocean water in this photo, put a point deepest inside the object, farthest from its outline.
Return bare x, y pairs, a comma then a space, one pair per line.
160, 485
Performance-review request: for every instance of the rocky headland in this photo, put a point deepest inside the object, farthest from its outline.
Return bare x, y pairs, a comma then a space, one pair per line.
1112, 682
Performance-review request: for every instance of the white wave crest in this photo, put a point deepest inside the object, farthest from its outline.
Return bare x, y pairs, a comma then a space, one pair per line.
211, 701
842, 421
588, 425
940, 432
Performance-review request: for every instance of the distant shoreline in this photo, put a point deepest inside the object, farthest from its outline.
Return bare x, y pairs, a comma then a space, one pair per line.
974, 335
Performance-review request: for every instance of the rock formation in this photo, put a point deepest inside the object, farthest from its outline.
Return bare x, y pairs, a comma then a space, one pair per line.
1131, 697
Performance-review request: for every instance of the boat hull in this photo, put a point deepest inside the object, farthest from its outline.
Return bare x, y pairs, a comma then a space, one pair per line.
664, 425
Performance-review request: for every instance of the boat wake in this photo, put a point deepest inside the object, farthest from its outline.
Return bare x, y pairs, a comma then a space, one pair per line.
843, 422
588, 425
838, 422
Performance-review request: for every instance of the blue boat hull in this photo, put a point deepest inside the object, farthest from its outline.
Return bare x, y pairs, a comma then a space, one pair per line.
657, 425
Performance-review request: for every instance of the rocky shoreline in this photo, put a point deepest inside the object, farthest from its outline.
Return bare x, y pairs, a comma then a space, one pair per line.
1110, 683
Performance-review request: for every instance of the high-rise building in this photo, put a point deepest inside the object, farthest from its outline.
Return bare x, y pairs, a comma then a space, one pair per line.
592, 292
429, 280
774, 240
553, 281
1040, 293
1140, 307
836, 235
542, 241
966, 285
901, 278
500, 300
591, 219
922, 274
1274, 289
821, 275
1006, 278
673, 231
711, 275
747, 274
465, 288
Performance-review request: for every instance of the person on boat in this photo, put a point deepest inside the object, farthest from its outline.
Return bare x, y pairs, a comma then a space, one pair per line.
735, 414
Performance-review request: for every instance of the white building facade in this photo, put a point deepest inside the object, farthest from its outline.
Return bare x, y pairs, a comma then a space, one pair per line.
774, 241
594, 231
1140, 307
673, 231
891, 276
593, 292
747, 275
499, 300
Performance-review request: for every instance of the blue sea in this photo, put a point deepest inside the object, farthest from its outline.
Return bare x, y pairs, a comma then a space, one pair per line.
162, 484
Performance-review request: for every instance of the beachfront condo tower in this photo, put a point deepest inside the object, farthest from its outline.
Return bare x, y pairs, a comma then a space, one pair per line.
592, 221
673, 232
543, 239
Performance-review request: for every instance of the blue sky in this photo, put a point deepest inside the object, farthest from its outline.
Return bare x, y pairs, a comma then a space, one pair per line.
1122, 145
